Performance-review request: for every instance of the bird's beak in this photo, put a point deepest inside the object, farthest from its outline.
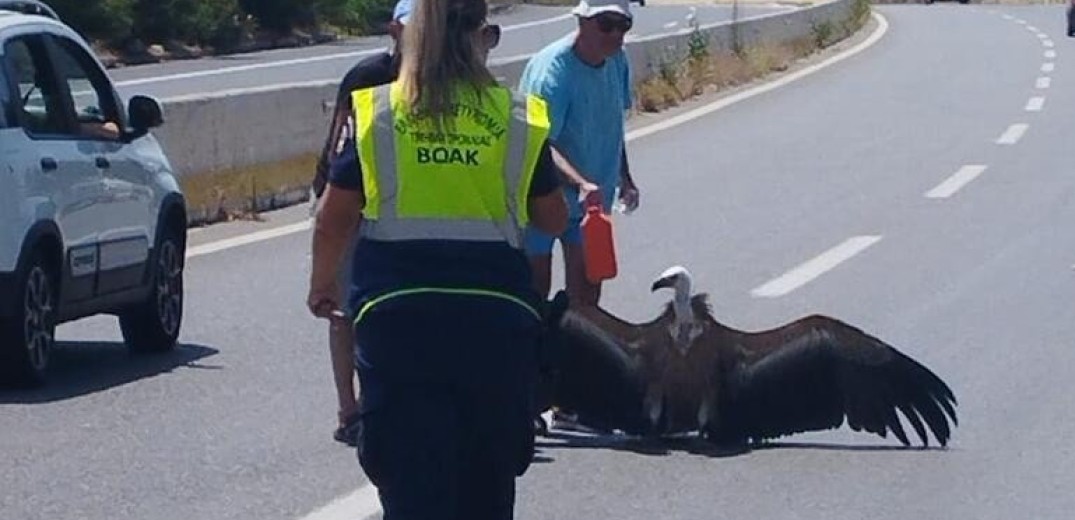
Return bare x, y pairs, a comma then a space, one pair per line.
662, 284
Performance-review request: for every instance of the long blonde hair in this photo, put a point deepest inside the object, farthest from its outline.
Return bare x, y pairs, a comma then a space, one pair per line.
441, 54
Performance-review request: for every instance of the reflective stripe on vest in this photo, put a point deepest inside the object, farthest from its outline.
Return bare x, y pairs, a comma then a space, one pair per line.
467, 181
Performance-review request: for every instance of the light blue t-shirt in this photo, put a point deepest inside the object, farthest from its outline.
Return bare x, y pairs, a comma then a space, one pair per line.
587, 108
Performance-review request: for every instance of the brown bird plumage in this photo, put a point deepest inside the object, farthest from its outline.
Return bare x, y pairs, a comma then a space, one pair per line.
685, 372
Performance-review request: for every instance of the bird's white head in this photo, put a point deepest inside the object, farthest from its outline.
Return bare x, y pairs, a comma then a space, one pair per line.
678, 278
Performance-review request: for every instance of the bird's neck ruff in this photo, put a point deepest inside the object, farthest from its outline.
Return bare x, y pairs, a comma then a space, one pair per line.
687, 321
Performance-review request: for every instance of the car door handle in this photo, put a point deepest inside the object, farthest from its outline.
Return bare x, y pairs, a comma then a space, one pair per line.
103, 163
49, 164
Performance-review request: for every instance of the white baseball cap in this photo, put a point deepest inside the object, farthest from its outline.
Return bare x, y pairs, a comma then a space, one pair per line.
588, 8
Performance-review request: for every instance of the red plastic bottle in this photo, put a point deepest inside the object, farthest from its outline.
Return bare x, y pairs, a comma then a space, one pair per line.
599, 249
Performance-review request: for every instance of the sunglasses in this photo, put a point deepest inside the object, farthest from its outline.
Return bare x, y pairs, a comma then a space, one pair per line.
491, 33
610, 22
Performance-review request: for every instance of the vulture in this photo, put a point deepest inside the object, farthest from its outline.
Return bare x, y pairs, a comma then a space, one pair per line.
687, 373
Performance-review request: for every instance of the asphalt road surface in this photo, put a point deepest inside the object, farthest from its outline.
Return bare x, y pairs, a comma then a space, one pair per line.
526, 30
921, 190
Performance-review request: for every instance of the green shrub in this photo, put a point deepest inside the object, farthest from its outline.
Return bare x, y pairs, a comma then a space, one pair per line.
108, 20
188, 21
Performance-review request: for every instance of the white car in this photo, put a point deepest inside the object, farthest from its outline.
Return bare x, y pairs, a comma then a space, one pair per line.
92, 219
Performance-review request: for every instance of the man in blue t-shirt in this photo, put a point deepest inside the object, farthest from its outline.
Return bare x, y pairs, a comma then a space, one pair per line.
586, 82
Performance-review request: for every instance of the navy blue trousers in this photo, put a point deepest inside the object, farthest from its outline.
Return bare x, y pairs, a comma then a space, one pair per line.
447, 386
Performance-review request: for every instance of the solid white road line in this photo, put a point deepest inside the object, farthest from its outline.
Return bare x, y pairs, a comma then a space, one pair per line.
1035, 104
361, 504
1013, 134
959, 179
310, 59
882, 27
1043, 82
1048, 67
815, 267
1050, 54
258, 236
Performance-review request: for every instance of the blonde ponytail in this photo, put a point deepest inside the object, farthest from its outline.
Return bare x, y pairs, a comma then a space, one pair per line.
441, 55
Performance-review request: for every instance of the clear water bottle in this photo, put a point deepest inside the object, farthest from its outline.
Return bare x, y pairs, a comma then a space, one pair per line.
618, 206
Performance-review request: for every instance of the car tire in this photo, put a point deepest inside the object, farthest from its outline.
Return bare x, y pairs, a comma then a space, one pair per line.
154, 325
28, 338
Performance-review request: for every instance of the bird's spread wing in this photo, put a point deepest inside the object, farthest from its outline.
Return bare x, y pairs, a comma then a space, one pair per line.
595, 375
815, 372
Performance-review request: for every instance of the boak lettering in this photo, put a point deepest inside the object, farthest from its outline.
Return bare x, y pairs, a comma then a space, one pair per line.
443, 155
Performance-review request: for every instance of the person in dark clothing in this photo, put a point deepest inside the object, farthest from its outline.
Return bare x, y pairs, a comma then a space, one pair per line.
379, 69
441, 172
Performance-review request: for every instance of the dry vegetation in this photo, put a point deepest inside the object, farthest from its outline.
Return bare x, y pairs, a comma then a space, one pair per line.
703, 70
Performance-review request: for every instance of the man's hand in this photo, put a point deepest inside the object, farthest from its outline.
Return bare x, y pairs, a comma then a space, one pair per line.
585, 189
629, 196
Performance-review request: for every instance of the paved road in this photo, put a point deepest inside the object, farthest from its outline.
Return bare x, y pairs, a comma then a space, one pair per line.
527, 29
975, 280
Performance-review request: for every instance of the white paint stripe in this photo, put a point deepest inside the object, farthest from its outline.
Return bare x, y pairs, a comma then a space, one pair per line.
309, 59
1050, 54
361, 504
1013, 134
1047, 43
221, 245
1031, 28
228, 243
1035, 104
959, 179
1048, 67
670, 25
1042, 35
1009, 17
1020, 22
747, 94
1043, 82
819, 265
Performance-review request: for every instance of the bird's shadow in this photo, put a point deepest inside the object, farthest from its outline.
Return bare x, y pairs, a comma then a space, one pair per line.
80, 368
693, 445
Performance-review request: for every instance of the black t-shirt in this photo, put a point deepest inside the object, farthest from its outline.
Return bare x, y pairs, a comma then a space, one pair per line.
375, 70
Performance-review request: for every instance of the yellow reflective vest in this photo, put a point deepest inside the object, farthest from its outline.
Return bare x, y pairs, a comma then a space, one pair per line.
466, 180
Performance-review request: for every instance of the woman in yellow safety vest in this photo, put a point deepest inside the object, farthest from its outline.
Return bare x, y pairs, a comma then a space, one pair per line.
441, 171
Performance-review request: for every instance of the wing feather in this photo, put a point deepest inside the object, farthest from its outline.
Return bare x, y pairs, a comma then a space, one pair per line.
596, 376
815, 373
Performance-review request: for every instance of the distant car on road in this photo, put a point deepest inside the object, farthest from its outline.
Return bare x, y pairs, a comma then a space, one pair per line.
92, 220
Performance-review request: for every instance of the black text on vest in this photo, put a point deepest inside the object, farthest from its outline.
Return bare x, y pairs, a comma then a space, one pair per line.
445, 155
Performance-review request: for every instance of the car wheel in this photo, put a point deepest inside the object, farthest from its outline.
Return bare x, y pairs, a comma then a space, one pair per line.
154, 325
27, 339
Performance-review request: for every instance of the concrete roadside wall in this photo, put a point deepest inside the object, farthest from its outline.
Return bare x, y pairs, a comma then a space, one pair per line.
214, 136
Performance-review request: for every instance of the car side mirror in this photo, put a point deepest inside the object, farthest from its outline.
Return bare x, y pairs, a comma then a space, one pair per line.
143, 113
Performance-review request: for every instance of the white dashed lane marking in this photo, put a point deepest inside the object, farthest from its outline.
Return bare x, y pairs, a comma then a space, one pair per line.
958, 179
1013, 134
815, 267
